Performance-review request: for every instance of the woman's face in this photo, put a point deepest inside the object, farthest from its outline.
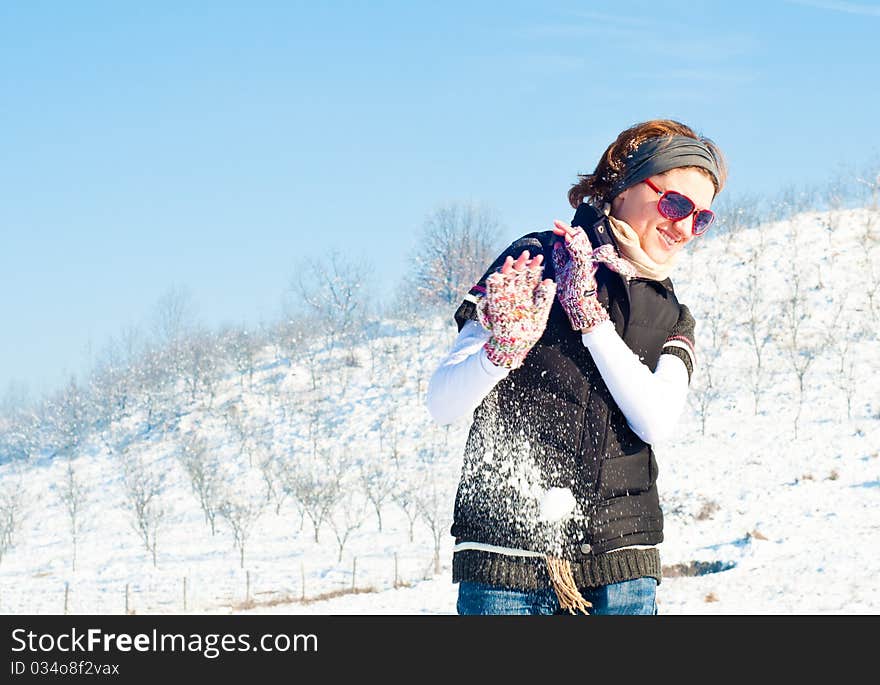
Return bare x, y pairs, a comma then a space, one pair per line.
662, 238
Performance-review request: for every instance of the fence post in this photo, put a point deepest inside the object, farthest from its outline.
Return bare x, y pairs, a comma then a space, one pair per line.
66, 590
354, 567
126, 599
396, 577
184, 593
302, 570
247, 592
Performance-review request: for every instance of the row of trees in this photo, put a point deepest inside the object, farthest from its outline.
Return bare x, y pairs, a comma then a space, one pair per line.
279, 446
793, 294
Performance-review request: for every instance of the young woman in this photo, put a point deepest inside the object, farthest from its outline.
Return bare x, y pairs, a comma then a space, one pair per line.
575, 356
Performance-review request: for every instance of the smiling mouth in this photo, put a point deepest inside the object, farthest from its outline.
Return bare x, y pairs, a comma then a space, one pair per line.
667, 238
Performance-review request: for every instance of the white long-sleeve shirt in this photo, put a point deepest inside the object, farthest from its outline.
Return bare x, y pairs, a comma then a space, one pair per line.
651, 401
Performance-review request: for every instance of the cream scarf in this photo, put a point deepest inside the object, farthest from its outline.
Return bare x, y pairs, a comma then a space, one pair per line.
631, 249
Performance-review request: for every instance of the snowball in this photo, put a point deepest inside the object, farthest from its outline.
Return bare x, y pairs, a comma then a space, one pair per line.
557, 504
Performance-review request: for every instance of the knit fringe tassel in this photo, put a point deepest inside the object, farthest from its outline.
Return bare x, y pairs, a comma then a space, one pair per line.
569, 596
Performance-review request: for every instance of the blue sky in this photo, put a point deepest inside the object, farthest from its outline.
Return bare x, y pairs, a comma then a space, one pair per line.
213, 146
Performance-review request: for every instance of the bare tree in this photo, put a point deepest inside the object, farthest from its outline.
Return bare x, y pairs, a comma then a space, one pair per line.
114, 381
112, 389
272, 466
389, 416
318, 413
143, 488
836, 191
199, 363
456, 244
347, 514
314, 482
432, 503
760, 317
173, 315
243, 428
241, 511
416, 367
872, 184
377, 482
334, 293
242, 347
72, 415
154, 383
285, 472
301, 342
73, 494
406, 496
288, 335
12, 502
840, 343
205, 476
373, 334
705, 390
870, 242
173, 322
800, 347
792, 200
19, 435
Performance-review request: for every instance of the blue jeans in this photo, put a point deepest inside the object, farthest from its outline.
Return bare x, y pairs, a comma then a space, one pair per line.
637, 596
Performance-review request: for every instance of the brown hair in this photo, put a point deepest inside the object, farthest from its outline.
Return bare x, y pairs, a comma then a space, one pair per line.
597, 186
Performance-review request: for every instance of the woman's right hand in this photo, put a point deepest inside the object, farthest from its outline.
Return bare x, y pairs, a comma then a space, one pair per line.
515, 309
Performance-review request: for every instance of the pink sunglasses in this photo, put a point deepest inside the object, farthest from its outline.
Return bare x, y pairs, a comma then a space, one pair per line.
675, 206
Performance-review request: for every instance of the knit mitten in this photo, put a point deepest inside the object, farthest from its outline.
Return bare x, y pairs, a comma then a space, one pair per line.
515, 310
576, 265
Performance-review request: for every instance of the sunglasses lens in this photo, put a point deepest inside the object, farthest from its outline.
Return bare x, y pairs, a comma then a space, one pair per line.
702, 221
675, 206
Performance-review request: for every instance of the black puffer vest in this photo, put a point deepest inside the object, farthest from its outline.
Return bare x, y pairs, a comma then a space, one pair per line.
553, 423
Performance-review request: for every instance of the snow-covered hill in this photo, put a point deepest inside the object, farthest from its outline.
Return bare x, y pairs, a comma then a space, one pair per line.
770, 487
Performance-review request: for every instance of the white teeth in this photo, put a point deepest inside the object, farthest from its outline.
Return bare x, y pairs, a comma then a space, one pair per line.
667, 238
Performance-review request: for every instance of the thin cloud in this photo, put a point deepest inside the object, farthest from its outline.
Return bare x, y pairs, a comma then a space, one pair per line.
576, 30
728, 76
533, 63
634, 34
618, 20
848, 7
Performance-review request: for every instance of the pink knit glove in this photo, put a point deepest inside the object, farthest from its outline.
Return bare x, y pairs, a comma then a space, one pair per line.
515, 310
576, 266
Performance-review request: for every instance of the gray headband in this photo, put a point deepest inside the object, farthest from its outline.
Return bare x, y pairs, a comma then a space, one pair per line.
656, 155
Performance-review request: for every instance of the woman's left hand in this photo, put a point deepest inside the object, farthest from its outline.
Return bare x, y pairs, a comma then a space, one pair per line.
581, 250
561, 228
576, 264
